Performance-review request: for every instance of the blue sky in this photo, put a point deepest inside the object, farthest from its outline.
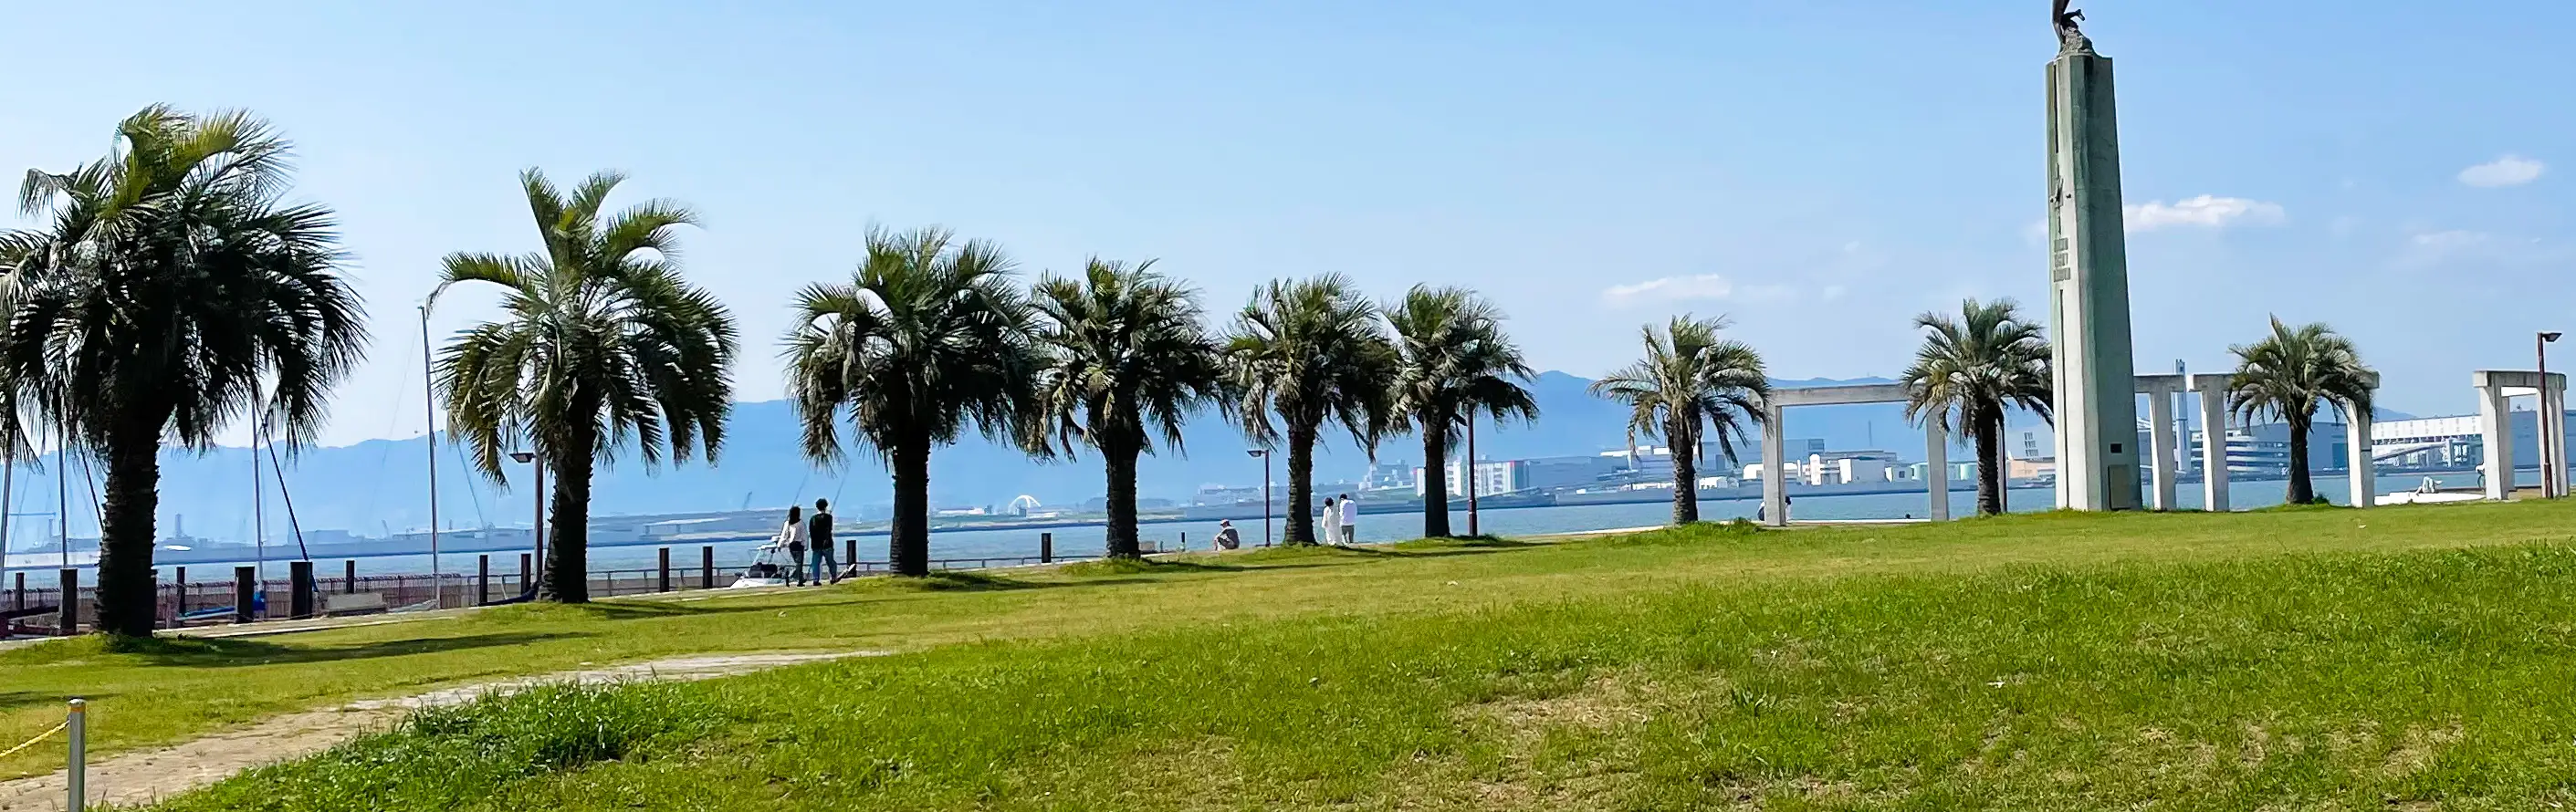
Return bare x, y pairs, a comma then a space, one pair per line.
1820, 171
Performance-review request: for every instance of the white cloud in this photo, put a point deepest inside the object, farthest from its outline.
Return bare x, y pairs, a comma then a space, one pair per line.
2205, 211
2510, 170
1703, 287
1830, 293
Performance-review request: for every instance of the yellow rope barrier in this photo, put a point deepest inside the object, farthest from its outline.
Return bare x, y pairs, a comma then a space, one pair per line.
58, 728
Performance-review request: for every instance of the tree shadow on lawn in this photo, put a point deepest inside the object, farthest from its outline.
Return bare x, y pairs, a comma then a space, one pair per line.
13, 700
191, 652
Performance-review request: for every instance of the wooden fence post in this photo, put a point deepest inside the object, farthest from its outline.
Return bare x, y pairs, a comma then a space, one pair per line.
1046, 548
483, 579
707, 567
666, 570
299, 580
245, 594
67, 616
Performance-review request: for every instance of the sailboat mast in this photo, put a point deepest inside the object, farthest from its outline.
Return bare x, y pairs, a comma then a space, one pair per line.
258, 499
8, 496
429, 418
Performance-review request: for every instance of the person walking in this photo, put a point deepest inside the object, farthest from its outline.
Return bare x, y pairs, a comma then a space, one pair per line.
1331, 522
1350, 520
818, 534
792, 537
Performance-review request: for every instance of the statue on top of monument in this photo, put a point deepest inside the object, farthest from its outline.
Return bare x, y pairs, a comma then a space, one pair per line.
2070, 40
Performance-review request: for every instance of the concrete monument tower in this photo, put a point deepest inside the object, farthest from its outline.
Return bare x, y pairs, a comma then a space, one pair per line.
2096, 395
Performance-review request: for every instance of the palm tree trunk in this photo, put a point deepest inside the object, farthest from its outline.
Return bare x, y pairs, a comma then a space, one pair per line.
1986, 429
2302, 490
125, 595
908, 552
568, 557
1685, 477
1435, 480
1301, 484
1120, 456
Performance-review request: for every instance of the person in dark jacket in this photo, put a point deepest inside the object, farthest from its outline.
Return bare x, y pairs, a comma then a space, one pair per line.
818, 532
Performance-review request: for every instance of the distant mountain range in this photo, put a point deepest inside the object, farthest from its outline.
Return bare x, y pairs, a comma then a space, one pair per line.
376, 486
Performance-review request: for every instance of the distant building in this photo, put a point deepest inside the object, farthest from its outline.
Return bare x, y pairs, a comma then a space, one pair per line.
1837, 468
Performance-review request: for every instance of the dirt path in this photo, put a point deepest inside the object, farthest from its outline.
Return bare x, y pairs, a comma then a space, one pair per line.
143, 776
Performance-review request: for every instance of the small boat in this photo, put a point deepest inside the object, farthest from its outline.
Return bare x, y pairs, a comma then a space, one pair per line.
770, 566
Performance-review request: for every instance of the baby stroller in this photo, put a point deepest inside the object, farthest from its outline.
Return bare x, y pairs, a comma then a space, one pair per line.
770, 566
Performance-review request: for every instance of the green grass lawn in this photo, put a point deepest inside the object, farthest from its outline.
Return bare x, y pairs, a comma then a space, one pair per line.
2296, 659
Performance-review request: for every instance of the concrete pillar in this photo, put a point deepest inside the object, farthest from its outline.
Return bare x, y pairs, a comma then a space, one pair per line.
1775, 477
2213, 442
2495, 425
2553, 419
2096, 386
2357, 463
2166, 469
1936, 469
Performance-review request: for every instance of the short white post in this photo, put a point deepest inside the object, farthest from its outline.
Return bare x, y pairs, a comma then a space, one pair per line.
76, 774
1775, 479
2495, 423
1936, 469
2357, 460
2161, 463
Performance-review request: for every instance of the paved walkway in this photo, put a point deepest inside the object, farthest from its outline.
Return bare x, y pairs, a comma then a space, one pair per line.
145, 776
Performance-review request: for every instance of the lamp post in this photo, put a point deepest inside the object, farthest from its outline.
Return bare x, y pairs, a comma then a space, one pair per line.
2553, 462
1263, 455
537, 527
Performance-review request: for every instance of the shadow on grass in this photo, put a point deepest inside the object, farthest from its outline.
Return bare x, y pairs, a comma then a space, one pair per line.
192, 652
13, 700
1091, 571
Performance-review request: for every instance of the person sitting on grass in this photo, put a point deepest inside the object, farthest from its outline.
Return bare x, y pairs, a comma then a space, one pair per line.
1226, 537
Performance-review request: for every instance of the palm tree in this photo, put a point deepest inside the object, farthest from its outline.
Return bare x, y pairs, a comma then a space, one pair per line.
169, 291
601, 342
1456, 363
1969, 371
1310, 352
1127, 358
1690, 385
2286, 374
928, 336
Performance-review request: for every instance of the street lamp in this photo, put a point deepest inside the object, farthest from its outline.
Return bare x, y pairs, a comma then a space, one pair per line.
1263, 454
536, 529
2553, 466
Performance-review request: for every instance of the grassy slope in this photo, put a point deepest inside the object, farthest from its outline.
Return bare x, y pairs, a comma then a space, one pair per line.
1536, 662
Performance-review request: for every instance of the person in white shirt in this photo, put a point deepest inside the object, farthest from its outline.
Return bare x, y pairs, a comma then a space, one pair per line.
1350, 520
1331, 522
792, 537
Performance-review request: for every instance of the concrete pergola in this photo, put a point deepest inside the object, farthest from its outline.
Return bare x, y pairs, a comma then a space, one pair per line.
2212, 388
2164, 464
1775, 479
2495, 423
